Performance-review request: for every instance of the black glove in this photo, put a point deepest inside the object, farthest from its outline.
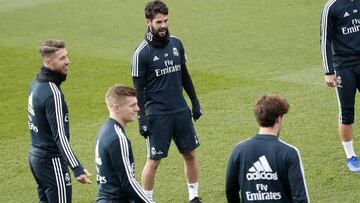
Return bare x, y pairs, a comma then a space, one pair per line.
196, 109
144, 126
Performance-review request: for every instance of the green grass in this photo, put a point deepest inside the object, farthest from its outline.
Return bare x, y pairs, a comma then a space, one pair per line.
237, 50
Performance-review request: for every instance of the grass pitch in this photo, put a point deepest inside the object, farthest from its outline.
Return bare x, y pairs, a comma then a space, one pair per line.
237, 50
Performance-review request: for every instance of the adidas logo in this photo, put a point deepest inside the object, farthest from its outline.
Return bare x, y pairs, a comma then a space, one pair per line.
261, 170
346, 14
155, 58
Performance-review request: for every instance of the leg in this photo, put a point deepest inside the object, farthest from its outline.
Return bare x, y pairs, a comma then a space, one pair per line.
158, 144
33, 162
191, 173
58, 182
345, 92
191, 167
346, 138
345, 132
54, 184
148, 174
187, 141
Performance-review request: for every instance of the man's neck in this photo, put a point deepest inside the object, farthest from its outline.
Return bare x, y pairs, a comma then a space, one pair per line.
269, 131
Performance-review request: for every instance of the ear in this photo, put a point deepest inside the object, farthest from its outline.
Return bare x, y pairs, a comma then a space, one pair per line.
278, 119
148, 22
116, 108
47, 62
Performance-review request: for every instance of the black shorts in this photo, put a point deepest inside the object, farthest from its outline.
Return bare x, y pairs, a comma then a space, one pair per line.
349, 81
178, 127
52, 178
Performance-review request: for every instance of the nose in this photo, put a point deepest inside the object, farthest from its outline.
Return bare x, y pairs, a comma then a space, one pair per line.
137, 109
163, 24
67, 61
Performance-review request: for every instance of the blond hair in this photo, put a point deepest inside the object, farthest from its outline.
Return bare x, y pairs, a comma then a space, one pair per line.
118, 93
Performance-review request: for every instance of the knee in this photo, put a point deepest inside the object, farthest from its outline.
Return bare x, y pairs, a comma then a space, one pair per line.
153, 164
190, 156
347, 115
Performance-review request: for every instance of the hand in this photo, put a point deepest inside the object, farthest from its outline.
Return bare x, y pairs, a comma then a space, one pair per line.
196, 109
144, 130
331, 80
84, 178
144, 126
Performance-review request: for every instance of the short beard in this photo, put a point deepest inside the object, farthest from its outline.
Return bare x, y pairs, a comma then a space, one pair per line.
156, 34
60, 72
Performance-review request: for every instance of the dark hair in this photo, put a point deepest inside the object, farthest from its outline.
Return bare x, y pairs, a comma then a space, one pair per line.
51, 46
268, 108
118, 92
154, 7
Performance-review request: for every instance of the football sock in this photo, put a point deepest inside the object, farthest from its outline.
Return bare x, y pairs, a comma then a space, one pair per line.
349, 149
193, 190
149, 193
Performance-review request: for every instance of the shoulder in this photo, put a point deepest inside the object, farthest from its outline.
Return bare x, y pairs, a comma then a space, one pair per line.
336, 6
288, 147
241, 145
141, 47
45, 90
42, 86
329, 3
176, 40
106, 130
108, 134
141, 53
118, 139
55, 89
329, 6
120, 134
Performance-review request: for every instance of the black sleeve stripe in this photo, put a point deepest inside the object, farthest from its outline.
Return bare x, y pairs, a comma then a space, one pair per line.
60, 126
135, 59
129, 172
323, 34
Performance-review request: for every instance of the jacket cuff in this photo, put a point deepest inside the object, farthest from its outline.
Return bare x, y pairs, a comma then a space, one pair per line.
78, 170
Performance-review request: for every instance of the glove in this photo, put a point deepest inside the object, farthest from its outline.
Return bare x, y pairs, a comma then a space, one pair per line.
196, 109
144, 126
144, 130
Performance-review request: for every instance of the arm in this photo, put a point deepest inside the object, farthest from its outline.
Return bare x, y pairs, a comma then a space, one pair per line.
187, 82
190, 91
144, 126
119, 155
326, 38
232, 177
138, 67
296, 179
55, 117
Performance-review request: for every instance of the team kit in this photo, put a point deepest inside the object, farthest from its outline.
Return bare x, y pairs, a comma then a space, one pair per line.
262, 168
